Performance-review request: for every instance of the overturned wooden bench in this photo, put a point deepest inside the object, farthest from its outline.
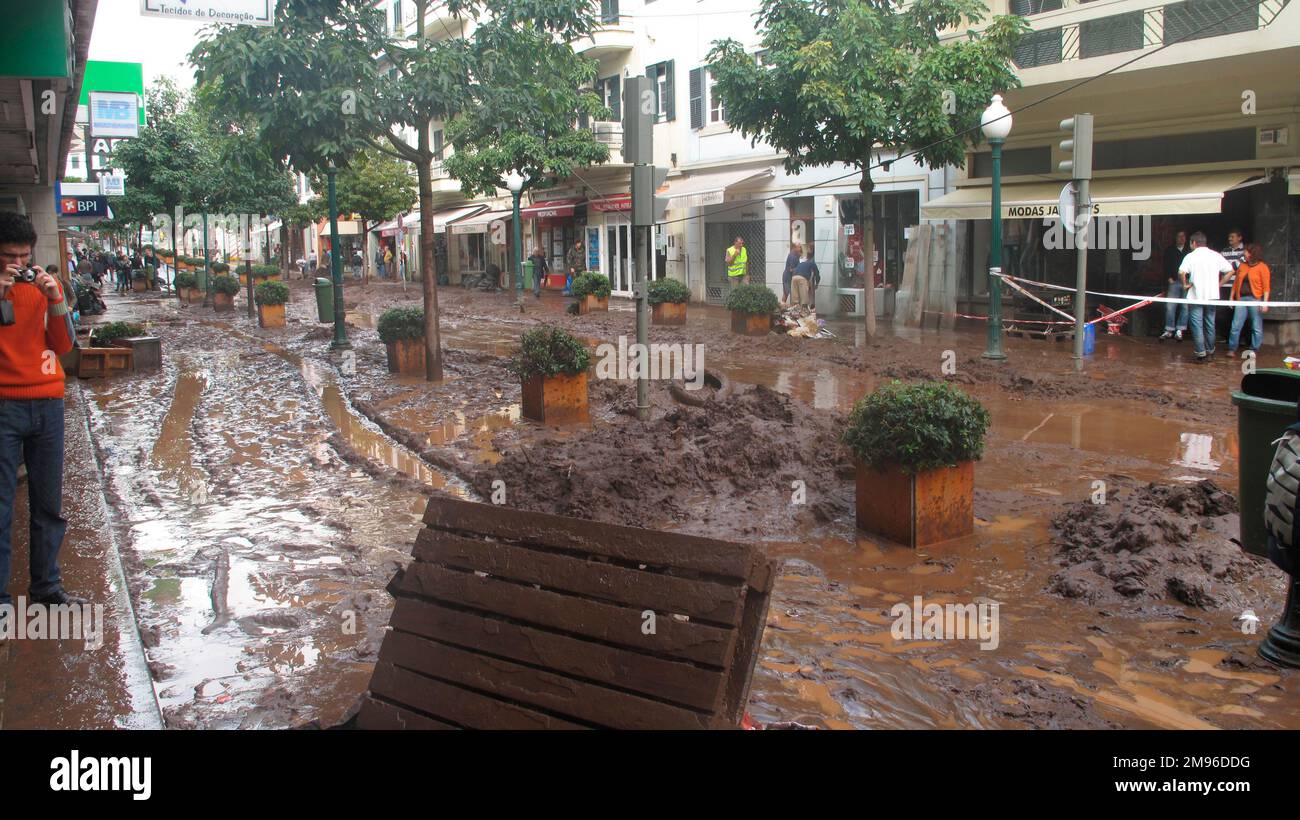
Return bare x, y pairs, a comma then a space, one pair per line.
507, 619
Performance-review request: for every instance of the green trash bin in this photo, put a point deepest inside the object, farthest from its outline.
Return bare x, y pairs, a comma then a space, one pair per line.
1266, 405
528, 274
324, 300
201, 278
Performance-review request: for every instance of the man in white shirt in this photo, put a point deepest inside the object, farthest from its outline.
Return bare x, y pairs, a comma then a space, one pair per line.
1203, 271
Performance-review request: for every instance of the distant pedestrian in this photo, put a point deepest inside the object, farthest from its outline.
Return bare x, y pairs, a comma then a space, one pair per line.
388, 262
404, 262
737, 260
538, 258
1252, 285
1202, 272
804, 282
1234, 252
357, 263
1175, 313
575, 262
791, 262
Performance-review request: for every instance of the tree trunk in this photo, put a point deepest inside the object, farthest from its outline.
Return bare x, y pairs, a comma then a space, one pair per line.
429, 278
248, 265
365, 252
285, 250
866, 186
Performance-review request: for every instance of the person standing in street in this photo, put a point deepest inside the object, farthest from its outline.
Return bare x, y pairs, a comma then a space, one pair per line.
31, 411
1203, 271
1235, 252
1252, 285
737, 259
575, 262
358, 262
802, 284
791, 262
1175, 313
538, 258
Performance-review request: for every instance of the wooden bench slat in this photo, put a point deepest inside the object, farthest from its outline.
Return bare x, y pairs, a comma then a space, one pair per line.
607, 622
675, 681
376, 714
471, 709
652, 547
534, 687
697, 599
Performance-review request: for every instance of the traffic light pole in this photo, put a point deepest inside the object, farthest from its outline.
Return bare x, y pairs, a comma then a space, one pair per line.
1082, 205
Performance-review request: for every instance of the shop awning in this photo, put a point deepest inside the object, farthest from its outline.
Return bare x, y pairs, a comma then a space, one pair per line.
411, 222
613, 202
550, 208
478, 223
1114, 196
389, 228
710, 189
346, 228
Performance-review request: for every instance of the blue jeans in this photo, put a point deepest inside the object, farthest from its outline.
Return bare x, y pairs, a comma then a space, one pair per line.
383, 272
1175, 291
31, 430
1202, 320
1239, 314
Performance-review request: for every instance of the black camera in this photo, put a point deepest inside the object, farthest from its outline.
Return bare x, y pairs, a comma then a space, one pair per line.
24, 274
27, 274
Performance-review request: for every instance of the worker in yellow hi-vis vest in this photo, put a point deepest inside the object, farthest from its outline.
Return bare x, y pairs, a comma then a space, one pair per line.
737, 263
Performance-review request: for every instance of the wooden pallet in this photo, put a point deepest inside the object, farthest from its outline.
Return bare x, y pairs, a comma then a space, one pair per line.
508, 619
95, 362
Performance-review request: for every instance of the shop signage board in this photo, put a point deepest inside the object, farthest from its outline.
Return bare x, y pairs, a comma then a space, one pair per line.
83, 206
114, 114
112, 185
237, 12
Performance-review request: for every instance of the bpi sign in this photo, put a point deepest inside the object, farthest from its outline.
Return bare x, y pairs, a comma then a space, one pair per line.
238, 12
83, 206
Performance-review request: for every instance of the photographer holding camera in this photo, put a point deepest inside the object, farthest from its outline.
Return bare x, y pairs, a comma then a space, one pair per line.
34, 332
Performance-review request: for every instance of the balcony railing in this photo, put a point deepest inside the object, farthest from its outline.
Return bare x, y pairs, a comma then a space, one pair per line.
1144, 28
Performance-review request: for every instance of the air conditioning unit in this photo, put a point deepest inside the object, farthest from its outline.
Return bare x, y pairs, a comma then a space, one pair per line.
13, 203
1272, 136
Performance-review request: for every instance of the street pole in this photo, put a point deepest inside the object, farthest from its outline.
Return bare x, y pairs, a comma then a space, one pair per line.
1082, 208
994, 350
336, 266
641, 246
207, 264
518, 258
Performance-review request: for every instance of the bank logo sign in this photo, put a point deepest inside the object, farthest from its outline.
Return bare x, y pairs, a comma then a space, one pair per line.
239, 12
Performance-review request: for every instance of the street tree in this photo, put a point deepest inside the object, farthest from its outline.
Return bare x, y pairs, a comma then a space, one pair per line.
375, 187
840, 81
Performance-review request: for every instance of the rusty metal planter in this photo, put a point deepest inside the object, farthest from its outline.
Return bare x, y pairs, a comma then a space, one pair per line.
270, 315
591, 302
916, 510
406, 357
751, 324
668, 313
223, 302
556, 399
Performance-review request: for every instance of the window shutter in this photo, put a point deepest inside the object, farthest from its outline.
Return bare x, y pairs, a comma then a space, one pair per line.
670, 104
437, 144
616, 95
697, 97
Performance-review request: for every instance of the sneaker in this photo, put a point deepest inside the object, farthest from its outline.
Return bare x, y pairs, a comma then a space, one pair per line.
59, 597
1166, 335
1179, 336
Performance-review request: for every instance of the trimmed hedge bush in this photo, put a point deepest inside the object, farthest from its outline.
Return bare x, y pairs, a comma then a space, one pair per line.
752, 298
219, 268
185, 279
549, 351
591, 284
667, 290
401, 323
228, 285
271, 293
105, 335
917, 427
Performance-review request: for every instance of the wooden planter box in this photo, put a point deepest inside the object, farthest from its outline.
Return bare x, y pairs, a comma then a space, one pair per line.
139, 285
668, 313
243, 279
95, 362
223, 302
406, 357
556, 399
270, 315
146, 352
591, 302
751, 324
916, 510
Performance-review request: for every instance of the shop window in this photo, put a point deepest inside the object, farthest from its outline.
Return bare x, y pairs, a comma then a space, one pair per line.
471, 253
1015, 162
895, 212
1175, 149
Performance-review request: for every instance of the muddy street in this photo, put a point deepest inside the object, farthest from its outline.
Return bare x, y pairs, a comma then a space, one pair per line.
267, 491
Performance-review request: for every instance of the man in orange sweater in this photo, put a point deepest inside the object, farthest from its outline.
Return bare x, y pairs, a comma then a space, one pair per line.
34, 332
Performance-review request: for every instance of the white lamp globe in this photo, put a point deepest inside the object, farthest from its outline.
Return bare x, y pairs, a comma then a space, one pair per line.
996, 119
514, 181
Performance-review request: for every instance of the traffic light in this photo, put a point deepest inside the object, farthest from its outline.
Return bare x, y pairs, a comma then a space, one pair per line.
647, 208
1079, 146
638, 121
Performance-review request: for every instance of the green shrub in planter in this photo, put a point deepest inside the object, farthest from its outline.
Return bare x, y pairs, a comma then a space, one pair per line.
667, 290
264, 271
591, 284
549, 351
918, 427
401, 323
228, 285
271, 293
752, 299
185, 279
219, 268
105, 335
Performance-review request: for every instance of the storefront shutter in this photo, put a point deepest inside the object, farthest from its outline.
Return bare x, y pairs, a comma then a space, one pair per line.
616, 95
697, 97
670, 104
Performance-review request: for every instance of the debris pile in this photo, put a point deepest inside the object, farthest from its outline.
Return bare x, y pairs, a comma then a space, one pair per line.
802, 322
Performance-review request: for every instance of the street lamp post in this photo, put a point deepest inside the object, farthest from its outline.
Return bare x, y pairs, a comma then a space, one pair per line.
336, 265
207, 264
996, 123
515, 182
